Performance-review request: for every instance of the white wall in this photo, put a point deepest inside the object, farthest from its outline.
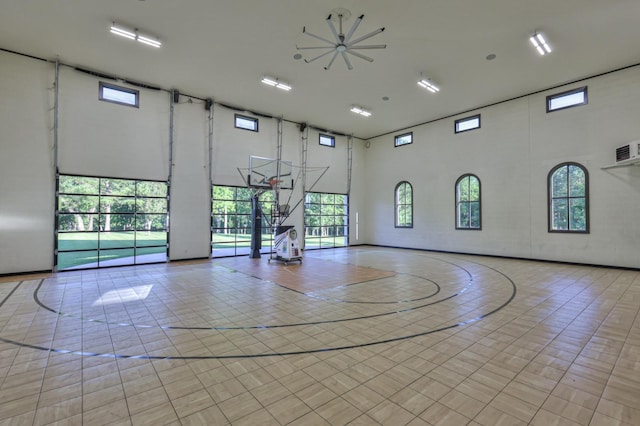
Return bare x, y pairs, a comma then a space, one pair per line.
335, 179
512, 154
26, 164
358, 215
232, 148
98, 138
190, 215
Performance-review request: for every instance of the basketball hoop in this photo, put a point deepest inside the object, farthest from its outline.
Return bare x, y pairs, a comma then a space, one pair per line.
274, 182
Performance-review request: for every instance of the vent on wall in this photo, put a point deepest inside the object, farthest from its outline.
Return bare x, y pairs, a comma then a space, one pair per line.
628, 154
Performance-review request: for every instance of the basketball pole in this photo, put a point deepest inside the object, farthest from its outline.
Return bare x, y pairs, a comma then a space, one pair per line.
264, 174
256, 226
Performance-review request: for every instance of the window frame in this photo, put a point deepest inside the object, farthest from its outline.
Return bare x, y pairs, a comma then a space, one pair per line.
106, 246
550, 199
247, 118
321, 240
102, 85
458, 202
469, 118
332, 139
238, 219
550, 98
397, 137
397, 204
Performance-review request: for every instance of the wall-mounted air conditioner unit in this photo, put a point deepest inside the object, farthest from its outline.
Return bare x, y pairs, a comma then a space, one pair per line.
628, 154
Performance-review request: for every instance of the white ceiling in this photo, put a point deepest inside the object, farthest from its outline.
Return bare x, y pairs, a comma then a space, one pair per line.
221, 48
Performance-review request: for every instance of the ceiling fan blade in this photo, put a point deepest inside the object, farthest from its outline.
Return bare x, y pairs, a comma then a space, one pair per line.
366, 36
369, 46
333, 29
304, 31
320, 56
359, 55
353, 28
347, 61
314, 47
331, 62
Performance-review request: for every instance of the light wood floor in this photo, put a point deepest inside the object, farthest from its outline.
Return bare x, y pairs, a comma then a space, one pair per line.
358, 336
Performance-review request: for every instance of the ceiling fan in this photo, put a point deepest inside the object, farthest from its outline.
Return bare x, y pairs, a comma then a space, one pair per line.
343, 44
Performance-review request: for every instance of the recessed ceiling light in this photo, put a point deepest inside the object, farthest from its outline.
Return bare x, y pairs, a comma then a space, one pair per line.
490, 57
385, 98
297, 56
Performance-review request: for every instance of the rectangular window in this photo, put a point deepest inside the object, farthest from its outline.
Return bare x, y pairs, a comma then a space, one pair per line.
468, 123
119, 95
327, 140
247, 123
567, 99
405, 139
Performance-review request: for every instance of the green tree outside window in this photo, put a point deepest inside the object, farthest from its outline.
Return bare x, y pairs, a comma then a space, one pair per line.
404, 205
468, 202
568, 198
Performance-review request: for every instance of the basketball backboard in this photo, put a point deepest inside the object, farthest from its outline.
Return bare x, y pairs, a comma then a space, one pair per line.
264, 173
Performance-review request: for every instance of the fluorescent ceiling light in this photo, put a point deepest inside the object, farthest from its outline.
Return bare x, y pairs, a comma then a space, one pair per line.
359, 110
148, 40
538, 41
271, 81
429, 85
118, 29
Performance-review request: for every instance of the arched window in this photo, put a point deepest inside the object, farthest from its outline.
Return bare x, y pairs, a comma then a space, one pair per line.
404, 205
468, 203
568, 192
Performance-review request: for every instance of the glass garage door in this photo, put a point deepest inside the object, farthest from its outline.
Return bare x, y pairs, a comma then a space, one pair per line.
108, 222
326, 220
231, 221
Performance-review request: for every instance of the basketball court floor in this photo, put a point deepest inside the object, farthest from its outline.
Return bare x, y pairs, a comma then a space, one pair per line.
361, 335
